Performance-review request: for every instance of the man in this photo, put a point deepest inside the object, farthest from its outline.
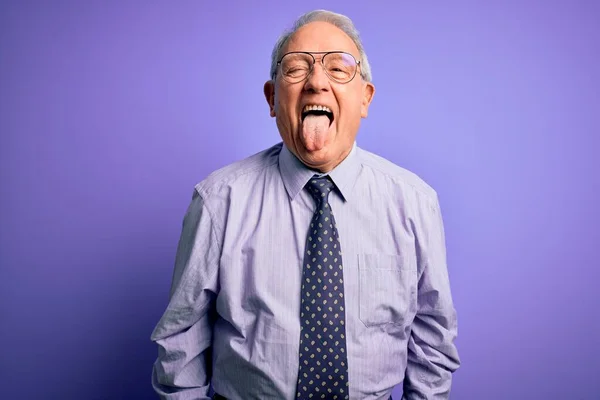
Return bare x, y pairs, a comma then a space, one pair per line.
313, 269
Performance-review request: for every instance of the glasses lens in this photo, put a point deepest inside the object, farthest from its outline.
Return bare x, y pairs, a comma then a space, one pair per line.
295, 66
340, 66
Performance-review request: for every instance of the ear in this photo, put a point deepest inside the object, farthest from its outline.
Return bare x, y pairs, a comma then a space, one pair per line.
368, 93
269, 90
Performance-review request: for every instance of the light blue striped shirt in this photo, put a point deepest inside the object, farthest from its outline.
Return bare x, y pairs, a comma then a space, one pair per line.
233, 314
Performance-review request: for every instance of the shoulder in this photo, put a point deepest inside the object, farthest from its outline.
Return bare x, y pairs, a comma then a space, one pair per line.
397, 176
242, 170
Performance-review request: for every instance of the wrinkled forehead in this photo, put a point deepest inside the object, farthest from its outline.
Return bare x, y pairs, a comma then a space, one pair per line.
320, 37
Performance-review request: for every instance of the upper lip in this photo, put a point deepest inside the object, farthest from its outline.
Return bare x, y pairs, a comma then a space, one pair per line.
316, 104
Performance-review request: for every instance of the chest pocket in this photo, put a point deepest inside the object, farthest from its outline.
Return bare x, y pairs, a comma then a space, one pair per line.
387, 289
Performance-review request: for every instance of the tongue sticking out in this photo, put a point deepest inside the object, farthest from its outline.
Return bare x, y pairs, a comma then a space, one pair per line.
314, 131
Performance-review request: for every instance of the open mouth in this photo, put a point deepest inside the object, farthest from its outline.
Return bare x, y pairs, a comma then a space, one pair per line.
317, 110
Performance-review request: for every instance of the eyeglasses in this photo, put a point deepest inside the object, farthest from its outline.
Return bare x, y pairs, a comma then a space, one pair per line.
339, 66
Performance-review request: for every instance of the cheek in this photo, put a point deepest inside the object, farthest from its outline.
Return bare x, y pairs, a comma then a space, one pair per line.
285, 113
286, 102
350, 109
349, 100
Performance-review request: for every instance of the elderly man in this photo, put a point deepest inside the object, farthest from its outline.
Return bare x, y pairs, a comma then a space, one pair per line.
313, 269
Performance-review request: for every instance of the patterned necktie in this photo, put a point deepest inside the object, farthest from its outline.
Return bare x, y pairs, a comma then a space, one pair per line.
323, 370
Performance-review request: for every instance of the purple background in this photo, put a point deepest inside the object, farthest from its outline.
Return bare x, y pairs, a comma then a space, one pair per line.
110, 113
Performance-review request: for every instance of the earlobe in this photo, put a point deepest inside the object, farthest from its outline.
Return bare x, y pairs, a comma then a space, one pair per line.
368, 93
269, 91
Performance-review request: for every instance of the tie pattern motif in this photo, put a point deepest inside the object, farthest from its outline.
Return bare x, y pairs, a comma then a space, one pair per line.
323, 369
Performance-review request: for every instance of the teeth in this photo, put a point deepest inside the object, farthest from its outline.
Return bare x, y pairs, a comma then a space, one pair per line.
313, 107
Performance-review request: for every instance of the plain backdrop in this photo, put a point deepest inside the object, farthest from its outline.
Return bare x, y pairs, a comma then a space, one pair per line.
111, 111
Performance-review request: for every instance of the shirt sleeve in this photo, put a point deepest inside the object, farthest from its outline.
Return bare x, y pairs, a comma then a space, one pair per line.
432, 355
184, 332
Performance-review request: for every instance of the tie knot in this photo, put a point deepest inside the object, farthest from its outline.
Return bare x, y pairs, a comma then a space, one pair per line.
319, 188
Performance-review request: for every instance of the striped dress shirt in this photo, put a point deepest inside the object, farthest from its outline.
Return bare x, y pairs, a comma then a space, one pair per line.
232, 319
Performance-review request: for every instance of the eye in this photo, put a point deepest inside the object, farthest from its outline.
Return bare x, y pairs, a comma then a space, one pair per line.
295, 71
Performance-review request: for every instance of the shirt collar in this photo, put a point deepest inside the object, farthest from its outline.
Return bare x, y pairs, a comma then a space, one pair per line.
295, 174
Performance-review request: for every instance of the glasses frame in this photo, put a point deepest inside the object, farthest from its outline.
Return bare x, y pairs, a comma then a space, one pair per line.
312, 66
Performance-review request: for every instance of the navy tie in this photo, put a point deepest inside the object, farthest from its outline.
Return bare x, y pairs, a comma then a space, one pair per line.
323, 370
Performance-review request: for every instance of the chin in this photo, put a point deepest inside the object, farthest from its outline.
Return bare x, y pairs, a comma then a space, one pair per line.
317, 159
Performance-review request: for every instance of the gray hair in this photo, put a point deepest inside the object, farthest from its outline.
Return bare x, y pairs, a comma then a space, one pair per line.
341, 21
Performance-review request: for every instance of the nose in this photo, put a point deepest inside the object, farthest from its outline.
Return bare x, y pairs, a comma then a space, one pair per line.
317, 80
